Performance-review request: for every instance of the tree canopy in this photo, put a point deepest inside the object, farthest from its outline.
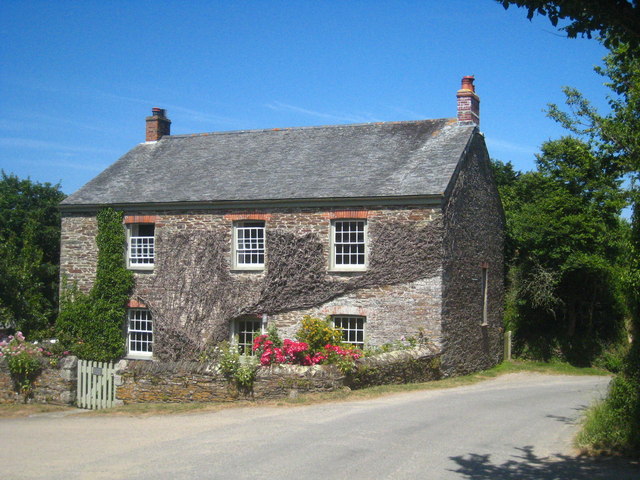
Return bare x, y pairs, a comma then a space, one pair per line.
564, 245
616, 21
29, 252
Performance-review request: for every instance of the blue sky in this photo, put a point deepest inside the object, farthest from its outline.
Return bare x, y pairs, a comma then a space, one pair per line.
79, 78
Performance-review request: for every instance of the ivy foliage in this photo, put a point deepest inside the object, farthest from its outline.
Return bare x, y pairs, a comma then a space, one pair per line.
91, 325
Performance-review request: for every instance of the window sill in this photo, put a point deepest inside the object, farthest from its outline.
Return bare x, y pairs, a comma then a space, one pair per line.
348, 270
247, 269
141, 268
139, 356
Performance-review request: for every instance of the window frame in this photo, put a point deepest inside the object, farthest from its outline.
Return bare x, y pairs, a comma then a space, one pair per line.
236, 333
242, 225
350, 267
148, 318
133, 233
348, 331
484, 288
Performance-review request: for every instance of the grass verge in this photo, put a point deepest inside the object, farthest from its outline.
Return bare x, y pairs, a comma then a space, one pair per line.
611, 427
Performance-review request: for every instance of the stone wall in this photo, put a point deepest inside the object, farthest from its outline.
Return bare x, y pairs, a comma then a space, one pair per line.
422, 364
474, 240
78, 249
194, 293
54, 385
182, 382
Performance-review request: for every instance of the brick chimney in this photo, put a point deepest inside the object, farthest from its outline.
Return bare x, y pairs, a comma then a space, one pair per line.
158, 125
468, 102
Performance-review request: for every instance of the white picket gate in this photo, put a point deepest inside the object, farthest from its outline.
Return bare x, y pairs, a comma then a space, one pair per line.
96, 387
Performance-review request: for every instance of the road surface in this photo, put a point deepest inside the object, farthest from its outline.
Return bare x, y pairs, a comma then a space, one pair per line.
516, 426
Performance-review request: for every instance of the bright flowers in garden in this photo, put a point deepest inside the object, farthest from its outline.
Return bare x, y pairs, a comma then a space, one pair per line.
17, 345
298, 353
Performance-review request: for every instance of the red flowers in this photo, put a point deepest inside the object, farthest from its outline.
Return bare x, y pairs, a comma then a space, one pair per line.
298, 353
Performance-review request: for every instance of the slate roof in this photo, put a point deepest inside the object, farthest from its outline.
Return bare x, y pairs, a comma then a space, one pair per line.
388, 159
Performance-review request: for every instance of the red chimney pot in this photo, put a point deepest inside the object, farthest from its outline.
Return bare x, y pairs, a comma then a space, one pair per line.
468, 102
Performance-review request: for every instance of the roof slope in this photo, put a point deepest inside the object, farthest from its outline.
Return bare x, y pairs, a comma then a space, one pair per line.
341, 161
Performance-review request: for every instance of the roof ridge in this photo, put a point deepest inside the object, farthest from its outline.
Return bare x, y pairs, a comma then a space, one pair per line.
312, 127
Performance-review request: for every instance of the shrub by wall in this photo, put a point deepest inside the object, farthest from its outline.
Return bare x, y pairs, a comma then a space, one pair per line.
55, 384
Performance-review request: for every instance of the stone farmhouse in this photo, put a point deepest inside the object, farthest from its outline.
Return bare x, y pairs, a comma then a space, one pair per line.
390, 229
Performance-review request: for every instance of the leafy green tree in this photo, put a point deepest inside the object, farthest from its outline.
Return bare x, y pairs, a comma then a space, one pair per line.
564, 241
29, 253
616, 20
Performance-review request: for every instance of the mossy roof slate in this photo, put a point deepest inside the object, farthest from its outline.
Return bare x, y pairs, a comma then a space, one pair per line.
371, 160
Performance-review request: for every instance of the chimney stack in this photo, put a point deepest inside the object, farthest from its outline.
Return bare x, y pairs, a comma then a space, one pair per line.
468, 102
158, 125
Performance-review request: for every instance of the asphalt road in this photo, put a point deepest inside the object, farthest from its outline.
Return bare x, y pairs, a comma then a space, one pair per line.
513, 427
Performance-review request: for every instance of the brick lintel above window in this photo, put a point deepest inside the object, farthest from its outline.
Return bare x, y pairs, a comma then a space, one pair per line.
265, 217
129, 219
355, 214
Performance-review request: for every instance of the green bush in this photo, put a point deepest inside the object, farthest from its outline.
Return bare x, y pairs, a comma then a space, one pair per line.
229, 360
612, 357
317, 333
241, 370
612, 425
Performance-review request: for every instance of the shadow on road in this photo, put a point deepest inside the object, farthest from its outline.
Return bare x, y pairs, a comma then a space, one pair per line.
528, 466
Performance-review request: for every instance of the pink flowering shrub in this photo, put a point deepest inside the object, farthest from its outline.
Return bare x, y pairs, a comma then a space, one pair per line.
299, 353
24, 360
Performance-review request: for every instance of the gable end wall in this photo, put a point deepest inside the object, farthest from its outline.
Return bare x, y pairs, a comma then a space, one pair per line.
474, 238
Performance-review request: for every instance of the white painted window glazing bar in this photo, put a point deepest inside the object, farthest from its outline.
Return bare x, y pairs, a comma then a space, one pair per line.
352, 329
246, 331
140, 331
250, 245
349, 242
141, 250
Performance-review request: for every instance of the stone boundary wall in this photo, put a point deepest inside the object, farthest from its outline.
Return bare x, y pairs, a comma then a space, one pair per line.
54, 385
139, 381
403, 366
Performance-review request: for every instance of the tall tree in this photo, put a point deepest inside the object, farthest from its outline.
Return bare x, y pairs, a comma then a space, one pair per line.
617, 21
29, 252
564, 241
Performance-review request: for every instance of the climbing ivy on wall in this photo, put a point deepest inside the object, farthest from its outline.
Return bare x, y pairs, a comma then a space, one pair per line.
91, 325
194, 296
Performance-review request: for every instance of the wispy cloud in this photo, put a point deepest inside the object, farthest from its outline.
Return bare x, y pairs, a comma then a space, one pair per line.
31, 143
495, 144
333, 117
12, 125
51, 119
408, 113
69, 165
193, 115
